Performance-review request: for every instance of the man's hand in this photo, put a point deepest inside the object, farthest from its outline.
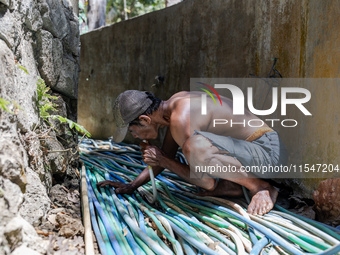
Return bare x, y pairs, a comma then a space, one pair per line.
120, 188
152, 155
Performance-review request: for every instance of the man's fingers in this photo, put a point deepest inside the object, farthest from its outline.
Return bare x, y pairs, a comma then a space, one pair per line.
117, 185
102, 184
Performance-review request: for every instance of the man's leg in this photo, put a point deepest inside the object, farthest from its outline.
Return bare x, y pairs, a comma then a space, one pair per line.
223, 188
200, 151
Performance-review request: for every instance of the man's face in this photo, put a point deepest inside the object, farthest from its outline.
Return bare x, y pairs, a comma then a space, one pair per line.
144, 131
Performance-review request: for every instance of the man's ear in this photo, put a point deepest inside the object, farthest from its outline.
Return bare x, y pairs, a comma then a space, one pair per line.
145, 118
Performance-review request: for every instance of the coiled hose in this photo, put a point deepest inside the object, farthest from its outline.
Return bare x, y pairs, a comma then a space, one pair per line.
185, 223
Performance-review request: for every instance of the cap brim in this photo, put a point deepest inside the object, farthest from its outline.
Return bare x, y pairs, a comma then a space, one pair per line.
119, 134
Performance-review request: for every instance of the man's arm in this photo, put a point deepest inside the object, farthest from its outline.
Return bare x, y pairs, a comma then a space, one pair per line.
169, 150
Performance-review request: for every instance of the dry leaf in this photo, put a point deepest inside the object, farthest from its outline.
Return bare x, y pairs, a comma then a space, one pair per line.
125, 231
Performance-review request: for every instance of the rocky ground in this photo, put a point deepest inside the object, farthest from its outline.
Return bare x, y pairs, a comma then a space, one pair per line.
53, 154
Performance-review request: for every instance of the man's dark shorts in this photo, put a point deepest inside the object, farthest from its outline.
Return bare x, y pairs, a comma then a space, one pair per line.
267, 150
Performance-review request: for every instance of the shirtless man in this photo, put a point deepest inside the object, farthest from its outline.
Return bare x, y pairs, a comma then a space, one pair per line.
142, 114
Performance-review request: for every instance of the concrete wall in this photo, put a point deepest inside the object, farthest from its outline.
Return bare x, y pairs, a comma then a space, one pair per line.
199, 38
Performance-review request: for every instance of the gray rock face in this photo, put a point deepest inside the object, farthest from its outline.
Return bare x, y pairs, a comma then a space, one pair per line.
8, 27
19, 231
54, 18
24, 86
36, 202
33, 19
50, 52
58, 47
57, 157
68, 76
11, 159
40, 36
12, 154
11, 198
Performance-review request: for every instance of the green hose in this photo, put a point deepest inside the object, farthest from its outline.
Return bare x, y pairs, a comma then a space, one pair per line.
187, 220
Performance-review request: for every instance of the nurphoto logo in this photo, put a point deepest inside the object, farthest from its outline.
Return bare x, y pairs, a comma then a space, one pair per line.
238, 101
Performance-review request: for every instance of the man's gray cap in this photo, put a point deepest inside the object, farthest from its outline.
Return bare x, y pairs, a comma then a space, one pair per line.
128, 106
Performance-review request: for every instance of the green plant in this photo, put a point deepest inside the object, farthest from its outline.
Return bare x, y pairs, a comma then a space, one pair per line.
45, 105
115, 10
23, 68
71, 124
3, 104
44, 99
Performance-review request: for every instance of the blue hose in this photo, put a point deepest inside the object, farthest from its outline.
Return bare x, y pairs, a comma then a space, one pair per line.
331, 251
186, 247
155, 246
124, 212
192, 241
96, 230
252, 235
257, 248
102, 215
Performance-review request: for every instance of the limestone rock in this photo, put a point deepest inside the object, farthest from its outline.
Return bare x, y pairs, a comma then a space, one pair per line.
33, 20
32, 239
71, 41
7, 68
36, 157
11, 198
18, 231
42, 37
8, 27
11, 160
54, 19
10, 201
50, 52
14, 82
37, 203
68, 77
57, 157
13, 232
31, 14
23, 249
28, 115
5, 2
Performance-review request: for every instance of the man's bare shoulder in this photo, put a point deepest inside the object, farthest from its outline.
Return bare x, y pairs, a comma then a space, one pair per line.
183, 104
184, 94
182, 99
179, 105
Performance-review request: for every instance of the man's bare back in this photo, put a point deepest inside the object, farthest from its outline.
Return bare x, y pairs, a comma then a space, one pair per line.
186, 117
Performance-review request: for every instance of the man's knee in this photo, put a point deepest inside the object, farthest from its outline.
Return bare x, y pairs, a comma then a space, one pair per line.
198, 147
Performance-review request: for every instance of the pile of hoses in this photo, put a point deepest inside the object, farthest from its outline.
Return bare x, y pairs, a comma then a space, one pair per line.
182, 223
